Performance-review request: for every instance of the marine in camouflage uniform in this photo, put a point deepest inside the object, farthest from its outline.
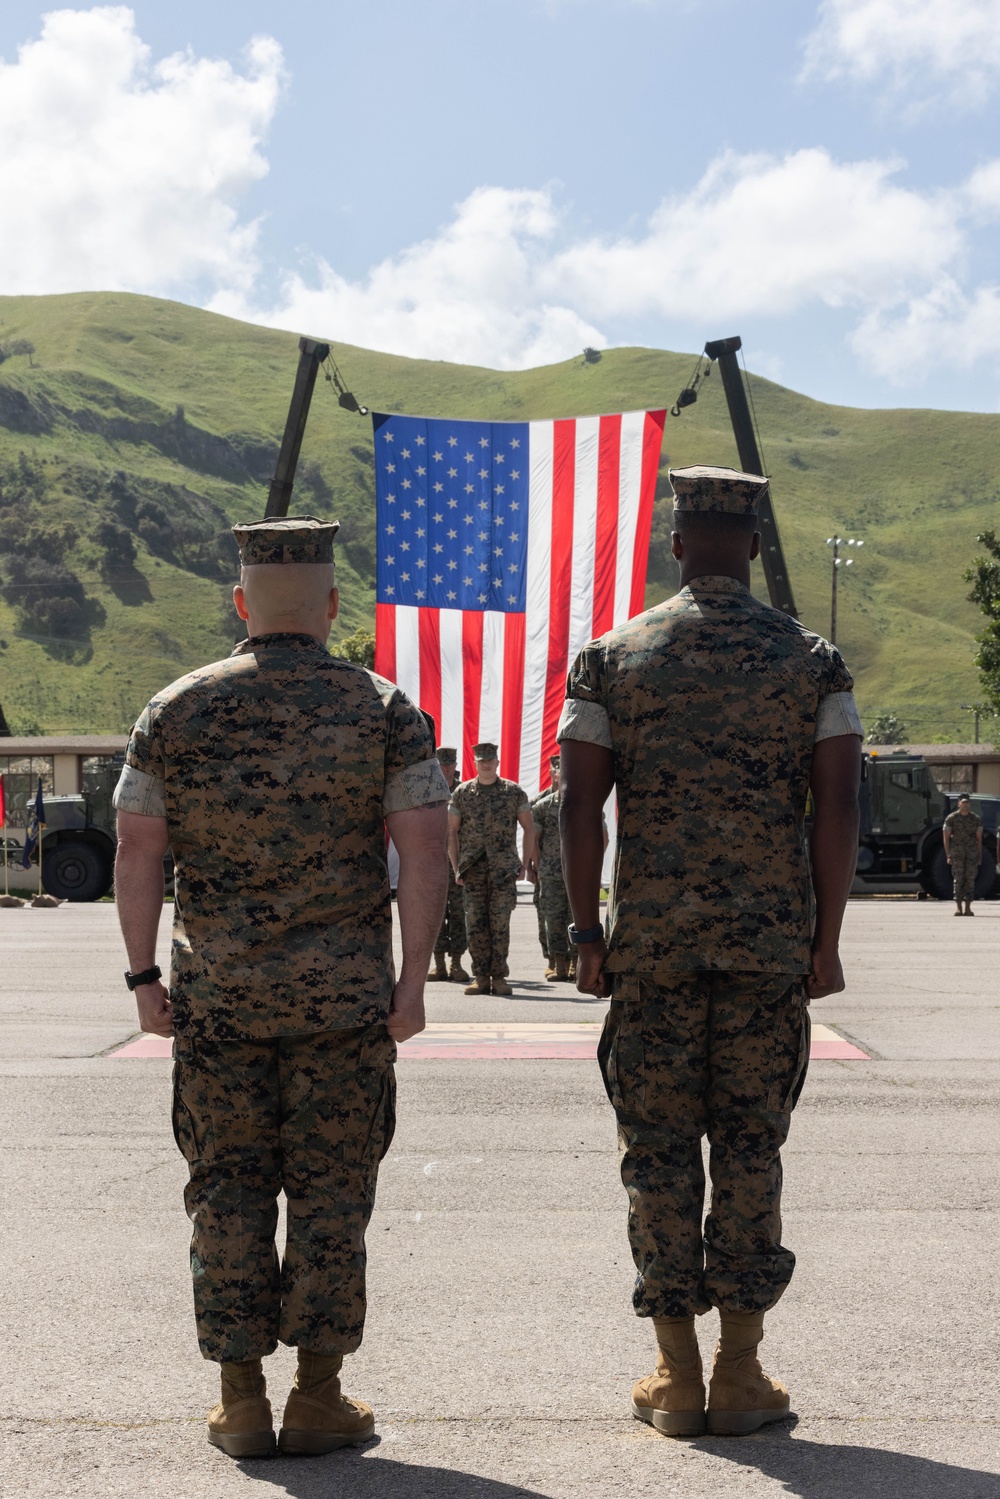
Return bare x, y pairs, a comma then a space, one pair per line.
483, 815
451, 939
553, 902
274, 771
536, 895
963, 837
706, 711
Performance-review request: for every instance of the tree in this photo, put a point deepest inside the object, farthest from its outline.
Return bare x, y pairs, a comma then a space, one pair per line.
119, 548
359, 648
591, 356
984, 575
886, 728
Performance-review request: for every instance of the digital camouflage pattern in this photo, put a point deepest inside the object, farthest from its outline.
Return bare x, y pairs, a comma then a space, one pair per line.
277, 767
536, 892
964, 852
290, 538
709, 705
724, 490
489, 824
489, 902
553, 901
451, 938
309, 1115
722, 1054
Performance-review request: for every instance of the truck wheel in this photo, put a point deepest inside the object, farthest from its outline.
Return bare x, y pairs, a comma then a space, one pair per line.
76, 871
936, 875
986, 878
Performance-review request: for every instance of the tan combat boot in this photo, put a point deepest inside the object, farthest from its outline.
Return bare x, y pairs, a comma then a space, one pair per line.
318, 1418
480, 984
673, 1399
439, 971
968, 909
550, 971
458, 974
562, 969
241, 1423
741, 1397
500, 986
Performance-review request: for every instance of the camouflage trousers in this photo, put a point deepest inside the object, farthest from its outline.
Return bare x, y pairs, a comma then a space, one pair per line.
489, 903
722, 1054
964, 868
311, 1116
451, 937
542, 940
554, 911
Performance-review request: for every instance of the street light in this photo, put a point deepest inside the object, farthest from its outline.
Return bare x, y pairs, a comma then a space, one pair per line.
838, 561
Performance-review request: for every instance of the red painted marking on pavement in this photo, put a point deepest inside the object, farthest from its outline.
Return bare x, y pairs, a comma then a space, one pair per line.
836, 1051
145, 1046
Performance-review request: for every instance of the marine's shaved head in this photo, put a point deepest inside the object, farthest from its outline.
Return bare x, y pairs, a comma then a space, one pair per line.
288, 597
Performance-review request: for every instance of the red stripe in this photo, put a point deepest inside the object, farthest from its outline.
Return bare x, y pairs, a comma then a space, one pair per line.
429, 627
652, 442
513, 696
385, 640
472, 687
560, 578
606, 545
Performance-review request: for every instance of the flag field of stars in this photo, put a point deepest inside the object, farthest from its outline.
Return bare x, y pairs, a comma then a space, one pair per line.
452, 513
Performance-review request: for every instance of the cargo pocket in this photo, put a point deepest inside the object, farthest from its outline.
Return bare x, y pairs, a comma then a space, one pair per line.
621, 1056
189, 1138
375, 1081
791, 1053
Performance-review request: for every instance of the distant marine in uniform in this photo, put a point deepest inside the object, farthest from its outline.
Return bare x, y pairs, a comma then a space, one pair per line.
272, 775
483, 817
553, 902
963, 847
451, 939
712, 716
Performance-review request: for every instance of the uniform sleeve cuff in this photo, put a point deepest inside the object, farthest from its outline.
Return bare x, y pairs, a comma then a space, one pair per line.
419, 785
139, 792
838, 715
587, 721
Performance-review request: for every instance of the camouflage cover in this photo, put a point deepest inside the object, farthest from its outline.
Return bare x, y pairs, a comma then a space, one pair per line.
709, 704
724, 490
291, 538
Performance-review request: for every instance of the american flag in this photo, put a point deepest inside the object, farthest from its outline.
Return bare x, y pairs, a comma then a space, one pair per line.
503, 547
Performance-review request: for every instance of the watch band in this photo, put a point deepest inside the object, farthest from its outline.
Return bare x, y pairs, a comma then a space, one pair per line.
147, 976
589, 934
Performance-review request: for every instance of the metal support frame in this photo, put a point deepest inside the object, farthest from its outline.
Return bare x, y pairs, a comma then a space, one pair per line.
311, 356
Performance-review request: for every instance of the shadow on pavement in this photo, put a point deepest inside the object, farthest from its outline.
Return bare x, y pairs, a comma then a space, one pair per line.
348, 1473
827, 1470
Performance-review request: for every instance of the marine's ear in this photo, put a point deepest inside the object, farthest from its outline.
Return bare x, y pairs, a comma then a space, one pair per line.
677, 545
755, 547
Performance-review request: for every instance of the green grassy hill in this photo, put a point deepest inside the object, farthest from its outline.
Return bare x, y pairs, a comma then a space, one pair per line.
149, 426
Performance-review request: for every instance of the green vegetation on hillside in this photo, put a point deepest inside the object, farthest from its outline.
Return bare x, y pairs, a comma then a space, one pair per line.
135, 432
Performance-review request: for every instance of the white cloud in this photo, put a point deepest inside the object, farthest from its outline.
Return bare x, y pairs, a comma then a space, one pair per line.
116, 173
477, 293
945, 326
910, 42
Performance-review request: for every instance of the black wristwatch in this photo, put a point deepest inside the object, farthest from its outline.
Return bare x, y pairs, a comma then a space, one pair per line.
147, 976
589, 934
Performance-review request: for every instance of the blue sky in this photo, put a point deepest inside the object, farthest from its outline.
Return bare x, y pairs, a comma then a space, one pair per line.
502, 183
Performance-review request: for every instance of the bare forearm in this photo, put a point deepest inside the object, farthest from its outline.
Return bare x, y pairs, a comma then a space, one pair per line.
453, 850
834, 854
139, 900
582, 841
420, 898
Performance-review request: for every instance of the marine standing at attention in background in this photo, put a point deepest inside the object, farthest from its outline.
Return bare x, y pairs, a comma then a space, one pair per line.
451, 939
963, 848
483, 818
273, 775
713, 716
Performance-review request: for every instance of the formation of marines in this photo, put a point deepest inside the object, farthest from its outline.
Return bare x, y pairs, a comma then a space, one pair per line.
274, 775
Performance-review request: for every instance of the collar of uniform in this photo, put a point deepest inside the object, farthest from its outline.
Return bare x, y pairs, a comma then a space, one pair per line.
719, 584
257, 642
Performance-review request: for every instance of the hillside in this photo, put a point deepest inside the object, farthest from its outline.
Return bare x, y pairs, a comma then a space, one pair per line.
145, 427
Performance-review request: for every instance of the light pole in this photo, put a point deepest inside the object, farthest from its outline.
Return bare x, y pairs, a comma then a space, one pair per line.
838, 561
971, 708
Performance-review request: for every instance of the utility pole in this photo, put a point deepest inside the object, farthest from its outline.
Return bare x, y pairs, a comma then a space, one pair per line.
311, 356
971, 708
838, 561
779, 587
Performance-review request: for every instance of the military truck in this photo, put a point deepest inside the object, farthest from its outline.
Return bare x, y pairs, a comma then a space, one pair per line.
902, 815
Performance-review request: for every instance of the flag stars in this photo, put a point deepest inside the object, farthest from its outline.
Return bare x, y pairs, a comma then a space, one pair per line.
484, 536
453, 473
439, 578
420, 593
483, 597
438, 457
420, 471
498, 489
513, 536
404, 577
387, 436
438, 546
498, 520
452, 535
498, 551
453, 442
512, 568
469, 520
407, 484
515, 442
438, 517
499, 458
421, 531
484, 473
421, 502
452, 504
390, 499
515, 473
514, 505
512, 598
390, 589
469, 551
420, 442
439, 487
484, 442
390, 468
452, 565
452, 596
390, 530
404, 546
467, 582
390, 562
406, 514
470, 489
484, 504
421, 562
484, 567
405, 453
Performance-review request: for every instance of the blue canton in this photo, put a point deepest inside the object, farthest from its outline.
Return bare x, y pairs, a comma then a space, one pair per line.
451, 503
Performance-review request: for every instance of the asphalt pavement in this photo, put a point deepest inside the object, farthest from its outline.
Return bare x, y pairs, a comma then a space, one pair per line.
501, 1345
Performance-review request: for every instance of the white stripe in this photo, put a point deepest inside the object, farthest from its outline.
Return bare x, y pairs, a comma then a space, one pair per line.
450, 728
408, 650
491, 699
581, 599
541, 443
630, 485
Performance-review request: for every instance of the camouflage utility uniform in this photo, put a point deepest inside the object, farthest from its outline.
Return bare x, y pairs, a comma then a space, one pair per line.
964, 852
537, 892
710, 705
274, 769
489, 863
553, 902
451, 939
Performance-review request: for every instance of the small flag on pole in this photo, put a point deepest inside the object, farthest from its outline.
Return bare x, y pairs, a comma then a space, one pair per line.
503, 547
33, 837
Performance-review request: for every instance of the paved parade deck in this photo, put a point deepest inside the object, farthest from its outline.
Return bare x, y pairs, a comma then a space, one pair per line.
501, 1346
